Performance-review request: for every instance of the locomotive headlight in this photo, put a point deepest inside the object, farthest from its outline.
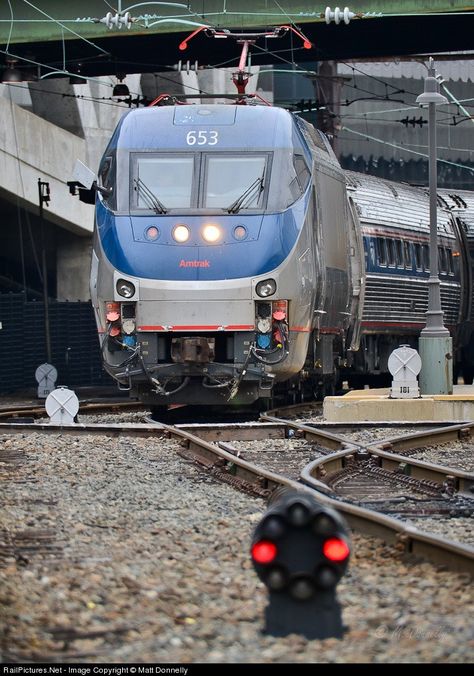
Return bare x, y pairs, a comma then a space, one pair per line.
240, 232
181, 233
152, 233
211, 233
125, 288
266, 288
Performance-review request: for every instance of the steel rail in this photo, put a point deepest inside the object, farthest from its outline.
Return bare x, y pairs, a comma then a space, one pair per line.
262, 482
37, 411
411, 540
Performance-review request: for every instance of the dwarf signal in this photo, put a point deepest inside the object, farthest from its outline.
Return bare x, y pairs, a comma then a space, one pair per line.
300, 550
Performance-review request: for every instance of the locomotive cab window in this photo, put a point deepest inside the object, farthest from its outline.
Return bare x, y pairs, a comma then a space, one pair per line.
163, 182
234, 182
301, 171
107, 179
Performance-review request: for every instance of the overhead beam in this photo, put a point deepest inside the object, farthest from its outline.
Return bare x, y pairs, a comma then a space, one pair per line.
52, 20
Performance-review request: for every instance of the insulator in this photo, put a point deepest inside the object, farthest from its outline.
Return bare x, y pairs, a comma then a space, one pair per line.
117, 20
338, 15
188, 66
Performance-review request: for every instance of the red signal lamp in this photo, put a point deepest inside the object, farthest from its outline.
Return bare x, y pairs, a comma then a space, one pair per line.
336, 550
264, 551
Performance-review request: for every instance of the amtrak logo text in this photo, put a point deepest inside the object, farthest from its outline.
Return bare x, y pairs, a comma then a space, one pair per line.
194, 264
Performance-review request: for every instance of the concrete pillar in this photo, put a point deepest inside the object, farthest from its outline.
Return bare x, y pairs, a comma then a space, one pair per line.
73, 268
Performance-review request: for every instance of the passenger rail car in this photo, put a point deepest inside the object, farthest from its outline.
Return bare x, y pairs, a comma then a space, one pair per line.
394, 222
233, 257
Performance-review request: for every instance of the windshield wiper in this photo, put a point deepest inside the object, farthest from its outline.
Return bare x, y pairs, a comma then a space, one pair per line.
245, 196
149, 197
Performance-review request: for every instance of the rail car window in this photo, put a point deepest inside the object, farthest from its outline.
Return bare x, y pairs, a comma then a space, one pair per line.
407, 254
381, 251
418, 261
169, 179
399, 253
231, 179
391, 253
426, 257
442, 262
450, 261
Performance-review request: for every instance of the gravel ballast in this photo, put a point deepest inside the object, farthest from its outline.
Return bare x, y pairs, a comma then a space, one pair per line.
146, 559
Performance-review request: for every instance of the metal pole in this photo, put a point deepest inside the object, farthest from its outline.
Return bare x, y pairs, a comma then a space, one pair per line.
435, 344
47, 333
434, 316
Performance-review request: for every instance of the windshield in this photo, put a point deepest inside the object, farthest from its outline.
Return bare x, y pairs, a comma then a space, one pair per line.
221, 181
169, 179
230, 178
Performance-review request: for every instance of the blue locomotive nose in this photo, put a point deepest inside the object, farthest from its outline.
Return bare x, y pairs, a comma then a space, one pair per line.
129, 247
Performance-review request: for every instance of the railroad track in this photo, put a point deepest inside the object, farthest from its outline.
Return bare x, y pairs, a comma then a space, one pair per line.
368, 483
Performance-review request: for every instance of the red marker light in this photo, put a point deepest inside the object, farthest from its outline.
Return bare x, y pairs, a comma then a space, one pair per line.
307, 44
264, 551
336, 550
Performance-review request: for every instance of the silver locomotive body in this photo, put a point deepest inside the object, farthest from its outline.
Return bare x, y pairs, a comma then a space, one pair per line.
211, 322
234, 258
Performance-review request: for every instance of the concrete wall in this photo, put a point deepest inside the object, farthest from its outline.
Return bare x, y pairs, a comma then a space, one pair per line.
32, 148
44, 128
73, 267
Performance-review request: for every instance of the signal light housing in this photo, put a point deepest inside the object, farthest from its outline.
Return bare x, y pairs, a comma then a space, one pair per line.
264, 552
301, 550
336, 550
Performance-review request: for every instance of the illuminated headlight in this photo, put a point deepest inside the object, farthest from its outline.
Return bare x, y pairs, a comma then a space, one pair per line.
125, 288
266, 288
181, 233
211, 233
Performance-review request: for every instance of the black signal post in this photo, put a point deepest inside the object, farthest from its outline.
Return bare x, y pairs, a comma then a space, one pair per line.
300, 550
43, 198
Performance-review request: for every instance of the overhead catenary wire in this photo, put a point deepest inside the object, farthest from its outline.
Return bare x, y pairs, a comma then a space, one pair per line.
81, 37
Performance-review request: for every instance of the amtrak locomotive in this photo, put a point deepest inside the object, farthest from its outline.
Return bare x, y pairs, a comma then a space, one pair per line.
234, 258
